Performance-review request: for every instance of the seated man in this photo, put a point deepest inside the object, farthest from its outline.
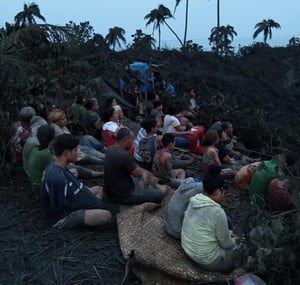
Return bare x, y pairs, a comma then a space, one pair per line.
148, 144
91, 119
183, 137
66, 201
121, 183
162, 161
41, 156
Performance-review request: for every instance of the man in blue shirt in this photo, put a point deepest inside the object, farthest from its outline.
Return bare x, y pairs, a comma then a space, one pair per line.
66, 201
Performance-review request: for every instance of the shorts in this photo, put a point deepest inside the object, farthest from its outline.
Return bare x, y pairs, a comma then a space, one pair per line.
74, 219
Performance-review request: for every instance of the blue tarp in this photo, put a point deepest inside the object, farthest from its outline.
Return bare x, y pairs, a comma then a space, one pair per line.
146, 79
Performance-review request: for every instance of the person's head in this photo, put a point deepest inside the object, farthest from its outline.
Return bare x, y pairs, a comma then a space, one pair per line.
66, 145
172, 109
222, 135
58, 117
35, 123
110, 101
119, 110
191, 91
125, 138
109, 114
227, 127
214, 184
45, 135
158, 105
80, 99
168, 140
26, 113
211, 138
149, 124
92, 105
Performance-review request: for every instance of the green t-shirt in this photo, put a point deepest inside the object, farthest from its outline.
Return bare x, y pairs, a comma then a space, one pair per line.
38, 161
77, 112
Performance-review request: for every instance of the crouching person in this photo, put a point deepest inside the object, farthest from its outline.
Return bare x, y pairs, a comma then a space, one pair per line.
66, 201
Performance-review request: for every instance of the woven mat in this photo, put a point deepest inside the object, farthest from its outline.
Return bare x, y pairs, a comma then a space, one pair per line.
158, 258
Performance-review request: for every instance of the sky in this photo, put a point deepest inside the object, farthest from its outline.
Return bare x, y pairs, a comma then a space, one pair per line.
129, 15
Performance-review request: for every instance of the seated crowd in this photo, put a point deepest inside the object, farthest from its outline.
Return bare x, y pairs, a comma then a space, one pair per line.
56, 161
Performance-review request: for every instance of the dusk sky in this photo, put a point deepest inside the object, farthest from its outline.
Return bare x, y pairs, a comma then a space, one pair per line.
129, 14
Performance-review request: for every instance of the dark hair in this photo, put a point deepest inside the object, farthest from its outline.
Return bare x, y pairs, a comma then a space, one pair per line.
107, 114
156, 103
64, 142
149, 123
90, 103
226, 125
79, 99
213, 180
171, 110
220, 133
122, 134
167, 138
210, 138
108, 101
45, 134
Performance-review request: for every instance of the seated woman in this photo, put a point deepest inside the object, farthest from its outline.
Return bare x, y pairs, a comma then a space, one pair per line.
89, 146
162, 162
184, 137
205, 236
110, 126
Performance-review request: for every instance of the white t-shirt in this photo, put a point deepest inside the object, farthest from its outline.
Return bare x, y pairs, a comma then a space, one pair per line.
170, 124
110, 126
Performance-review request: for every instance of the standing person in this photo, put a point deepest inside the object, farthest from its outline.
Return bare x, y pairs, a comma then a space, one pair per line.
205, 236
122, 182
66, 201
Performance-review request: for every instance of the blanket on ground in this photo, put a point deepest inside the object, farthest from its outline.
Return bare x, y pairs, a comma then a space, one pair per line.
157, 258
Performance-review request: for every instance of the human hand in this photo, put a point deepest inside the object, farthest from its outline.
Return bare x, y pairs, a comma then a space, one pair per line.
74, 171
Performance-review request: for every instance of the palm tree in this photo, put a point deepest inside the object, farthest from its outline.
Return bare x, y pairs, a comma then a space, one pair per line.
115, 36
266, 27
221, 38
158, 17
142, 41
186, 18
294, 41
27, 16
